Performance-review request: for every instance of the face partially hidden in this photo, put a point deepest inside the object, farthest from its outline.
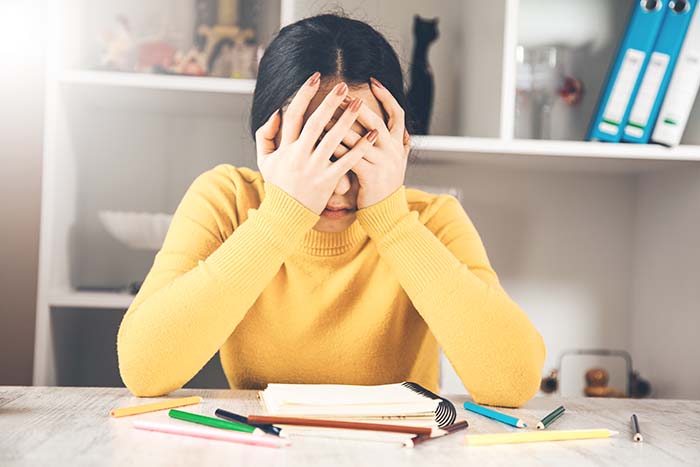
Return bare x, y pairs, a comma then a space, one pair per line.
345, 194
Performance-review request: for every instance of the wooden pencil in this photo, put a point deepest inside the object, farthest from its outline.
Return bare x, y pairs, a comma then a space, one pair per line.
274, 420
418, 439
536, 436
162, 405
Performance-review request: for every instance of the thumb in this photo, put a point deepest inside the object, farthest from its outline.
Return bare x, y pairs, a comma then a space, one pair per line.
265, 135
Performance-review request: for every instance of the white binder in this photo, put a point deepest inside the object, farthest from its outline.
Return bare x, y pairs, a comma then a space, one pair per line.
682, 89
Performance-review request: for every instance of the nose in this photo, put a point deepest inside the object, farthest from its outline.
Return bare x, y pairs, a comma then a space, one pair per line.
343, 185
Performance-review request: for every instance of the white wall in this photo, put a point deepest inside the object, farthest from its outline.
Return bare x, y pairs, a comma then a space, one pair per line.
561, 244
666, 315
21, 125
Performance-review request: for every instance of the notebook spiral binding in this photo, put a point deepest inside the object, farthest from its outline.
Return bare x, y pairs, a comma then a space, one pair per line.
445, 414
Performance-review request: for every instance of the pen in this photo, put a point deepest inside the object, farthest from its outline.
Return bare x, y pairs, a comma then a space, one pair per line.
549, 419
267, 428
635, 428
213, 422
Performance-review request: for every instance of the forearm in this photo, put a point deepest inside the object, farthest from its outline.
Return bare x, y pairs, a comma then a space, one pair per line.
494, 348
168, 336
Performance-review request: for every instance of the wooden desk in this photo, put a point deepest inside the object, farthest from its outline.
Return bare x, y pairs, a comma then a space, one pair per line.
70, 426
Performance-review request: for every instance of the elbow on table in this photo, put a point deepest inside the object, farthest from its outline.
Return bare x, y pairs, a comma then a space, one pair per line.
515, 385
140, 387
513, 391
140, 376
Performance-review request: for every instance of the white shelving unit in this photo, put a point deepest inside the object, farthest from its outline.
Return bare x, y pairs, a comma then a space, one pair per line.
597, 242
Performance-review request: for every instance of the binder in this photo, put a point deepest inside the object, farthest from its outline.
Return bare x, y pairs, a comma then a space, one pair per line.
682, 89
658, 72
624, 76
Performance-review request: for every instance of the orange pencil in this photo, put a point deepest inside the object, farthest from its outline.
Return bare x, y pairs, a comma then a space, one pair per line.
162, 405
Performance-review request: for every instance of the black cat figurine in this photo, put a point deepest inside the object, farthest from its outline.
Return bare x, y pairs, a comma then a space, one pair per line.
420, 93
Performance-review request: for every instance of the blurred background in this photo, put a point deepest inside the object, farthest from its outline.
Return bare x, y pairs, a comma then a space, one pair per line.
109, 109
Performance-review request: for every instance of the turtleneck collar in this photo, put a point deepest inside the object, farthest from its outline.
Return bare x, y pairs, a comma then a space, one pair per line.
319, 243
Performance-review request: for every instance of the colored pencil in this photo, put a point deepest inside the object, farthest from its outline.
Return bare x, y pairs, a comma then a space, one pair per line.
550, 418
418, 430
162, 405
212, 433
536, 436
213, 422
418, 439
492, 414
635, 427
226, 415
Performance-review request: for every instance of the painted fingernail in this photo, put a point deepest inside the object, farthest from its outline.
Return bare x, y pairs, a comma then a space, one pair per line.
376, 82
341, 88
355, 106
372, 135
347, 100
314, 78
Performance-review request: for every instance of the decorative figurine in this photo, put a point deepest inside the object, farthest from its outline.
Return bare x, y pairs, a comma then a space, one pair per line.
420, 93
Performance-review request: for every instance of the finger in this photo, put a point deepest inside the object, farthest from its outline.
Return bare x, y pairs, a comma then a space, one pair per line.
368, 119
351, 138
322, 115
345, 163
396, 124
265, 136
360, 167
294, 115
339, 152
336, 134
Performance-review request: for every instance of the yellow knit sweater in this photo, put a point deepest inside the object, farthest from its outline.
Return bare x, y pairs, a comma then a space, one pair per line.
243, 272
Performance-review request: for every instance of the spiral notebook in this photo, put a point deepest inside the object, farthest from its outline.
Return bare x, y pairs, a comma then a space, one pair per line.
404, 403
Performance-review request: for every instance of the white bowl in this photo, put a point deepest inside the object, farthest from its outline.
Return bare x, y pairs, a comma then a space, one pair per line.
137, 230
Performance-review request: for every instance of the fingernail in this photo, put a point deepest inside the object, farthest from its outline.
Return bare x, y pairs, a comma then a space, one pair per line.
376, 82
341, 88
355, 106
314, 78
372, 135
347, 100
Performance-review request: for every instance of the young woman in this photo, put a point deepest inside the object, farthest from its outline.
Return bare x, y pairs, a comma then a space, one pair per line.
323, 267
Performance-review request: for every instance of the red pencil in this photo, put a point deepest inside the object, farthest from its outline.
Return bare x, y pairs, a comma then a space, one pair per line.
273, 420
448, 429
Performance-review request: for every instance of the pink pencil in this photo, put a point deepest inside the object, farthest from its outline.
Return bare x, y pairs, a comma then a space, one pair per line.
212, 433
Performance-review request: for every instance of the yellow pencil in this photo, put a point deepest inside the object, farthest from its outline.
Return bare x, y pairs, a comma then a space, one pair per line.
536, 436
169, 404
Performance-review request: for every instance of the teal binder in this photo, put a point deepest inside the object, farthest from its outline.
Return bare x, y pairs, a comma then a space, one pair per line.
657, 75
626, 71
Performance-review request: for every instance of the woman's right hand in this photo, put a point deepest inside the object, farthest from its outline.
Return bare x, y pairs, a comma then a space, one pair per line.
303, 171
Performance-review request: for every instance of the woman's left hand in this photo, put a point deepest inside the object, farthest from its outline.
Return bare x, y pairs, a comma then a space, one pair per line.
383, 169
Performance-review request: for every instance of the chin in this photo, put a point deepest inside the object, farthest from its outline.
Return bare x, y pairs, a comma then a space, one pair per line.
335, 225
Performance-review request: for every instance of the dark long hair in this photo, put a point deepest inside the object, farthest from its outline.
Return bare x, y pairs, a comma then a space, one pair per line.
333, 45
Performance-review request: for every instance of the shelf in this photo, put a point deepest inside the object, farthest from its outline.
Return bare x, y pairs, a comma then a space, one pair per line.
155, 81
547, 154
80, 299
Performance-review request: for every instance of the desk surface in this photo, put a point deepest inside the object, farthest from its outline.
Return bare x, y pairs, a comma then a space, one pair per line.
71, 426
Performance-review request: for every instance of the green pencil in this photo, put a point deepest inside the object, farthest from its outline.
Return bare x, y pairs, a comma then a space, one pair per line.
546, 421
213, 422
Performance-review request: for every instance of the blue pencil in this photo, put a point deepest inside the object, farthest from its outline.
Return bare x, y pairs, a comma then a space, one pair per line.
498, 416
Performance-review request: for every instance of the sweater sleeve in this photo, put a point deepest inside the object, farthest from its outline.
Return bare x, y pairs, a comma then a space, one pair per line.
492, 345
201, 284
